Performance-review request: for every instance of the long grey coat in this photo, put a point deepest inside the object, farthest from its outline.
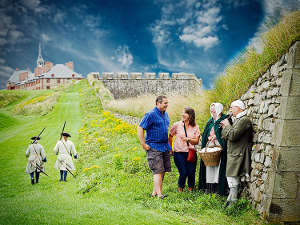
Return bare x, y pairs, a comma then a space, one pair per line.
35, 154
239, 145
64, 150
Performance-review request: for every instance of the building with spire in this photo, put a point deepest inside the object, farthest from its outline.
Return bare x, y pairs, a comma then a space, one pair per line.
45, 76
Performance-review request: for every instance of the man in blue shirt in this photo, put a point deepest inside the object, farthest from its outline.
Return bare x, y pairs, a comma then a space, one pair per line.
156, 123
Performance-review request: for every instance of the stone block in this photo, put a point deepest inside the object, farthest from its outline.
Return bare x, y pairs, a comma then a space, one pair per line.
265, 85
107, 75
136, 75
284, 210
290, 133
288, 159
149, 75
290, 83
286, 133
122, 75
271, 110
268, 161
163, 76
293, 56
259, 157
257, 195
290, 107
285, 185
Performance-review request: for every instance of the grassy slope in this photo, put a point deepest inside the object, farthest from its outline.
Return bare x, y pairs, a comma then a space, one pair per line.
121, 199
52, 202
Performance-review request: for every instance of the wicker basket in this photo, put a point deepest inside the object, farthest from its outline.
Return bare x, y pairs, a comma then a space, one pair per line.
211, 158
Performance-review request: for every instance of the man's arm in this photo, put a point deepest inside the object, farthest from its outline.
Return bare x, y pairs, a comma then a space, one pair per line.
141, 135
234, 133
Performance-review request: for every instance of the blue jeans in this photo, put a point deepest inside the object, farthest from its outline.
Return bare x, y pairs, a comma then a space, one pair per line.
186, 169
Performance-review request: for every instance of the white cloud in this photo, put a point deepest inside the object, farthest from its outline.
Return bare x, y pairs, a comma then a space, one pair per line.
5, 73
124, 56
45, 37
183, 64
273, 10
196, 25
34, 5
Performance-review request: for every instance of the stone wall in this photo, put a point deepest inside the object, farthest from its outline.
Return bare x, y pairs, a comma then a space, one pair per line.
123, 85
273, 103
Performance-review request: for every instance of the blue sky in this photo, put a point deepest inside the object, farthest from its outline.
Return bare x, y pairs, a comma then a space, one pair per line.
201, 37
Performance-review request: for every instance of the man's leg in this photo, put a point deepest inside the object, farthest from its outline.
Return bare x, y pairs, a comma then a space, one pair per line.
32, 177
233, 183
37, 176
65, 175
157, 183
61, 175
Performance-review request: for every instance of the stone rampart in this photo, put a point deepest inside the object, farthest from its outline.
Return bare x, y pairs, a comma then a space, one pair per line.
123, 85
273, 103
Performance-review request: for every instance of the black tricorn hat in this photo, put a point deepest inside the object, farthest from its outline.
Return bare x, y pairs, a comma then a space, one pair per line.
35, 138
66, 134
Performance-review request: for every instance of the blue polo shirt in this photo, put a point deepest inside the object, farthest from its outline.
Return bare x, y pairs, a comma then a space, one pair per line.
156, 125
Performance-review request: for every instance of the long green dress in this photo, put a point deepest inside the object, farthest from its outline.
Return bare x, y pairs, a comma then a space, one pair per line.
222, 185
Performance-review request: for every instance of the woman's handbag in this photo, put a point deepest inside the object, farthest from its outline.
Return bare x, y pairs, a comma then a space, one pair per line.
192, 152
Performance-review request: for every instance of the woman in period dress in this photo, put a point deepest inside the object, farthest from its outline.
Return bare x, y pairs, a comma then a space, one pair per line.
212, 179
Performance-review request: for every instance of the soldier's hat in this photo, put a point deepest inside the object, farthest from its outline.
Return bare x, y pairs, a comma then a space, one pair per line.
35, 138
66, 134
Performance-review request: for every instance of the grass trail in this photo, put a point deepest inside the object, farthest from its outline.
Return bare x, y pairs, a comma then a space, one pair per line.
52, 202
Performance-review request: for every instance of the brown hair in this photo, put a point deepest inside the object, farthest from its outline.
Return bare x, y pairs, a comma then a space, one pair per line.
160, 99
191, 112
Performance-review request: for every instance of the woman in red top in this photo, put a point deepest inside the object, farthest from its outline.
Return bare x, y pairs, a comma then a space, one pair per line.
182, 143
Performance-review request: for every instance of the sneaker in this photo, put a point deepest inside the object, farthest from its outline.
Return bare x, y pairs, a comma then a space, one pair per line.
32, 181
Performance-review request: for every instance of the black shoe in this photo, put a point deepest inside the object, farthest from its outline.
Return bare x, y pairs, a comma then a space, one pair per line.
163, 196
32, 181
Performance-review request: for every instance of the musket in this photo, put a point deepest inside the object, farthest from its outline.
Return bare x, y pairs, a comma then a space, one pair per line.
36, 165
41, 170
38, 136
69, 170
62, 130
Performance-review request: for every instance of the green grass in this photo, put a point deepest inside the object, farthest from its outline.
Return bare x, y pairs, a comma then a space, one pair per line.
115, 193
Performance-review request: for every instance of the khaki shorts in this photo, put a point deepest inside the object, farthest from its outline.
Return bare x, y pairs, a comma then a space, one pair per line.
159, 162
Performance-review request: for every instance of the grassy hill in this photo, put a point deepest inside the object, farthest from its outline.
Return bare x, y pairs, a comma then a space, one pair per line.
112, 183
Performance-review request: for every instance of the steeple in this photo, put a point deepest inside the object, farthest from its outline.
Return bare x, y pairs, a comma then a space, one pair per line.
40, 60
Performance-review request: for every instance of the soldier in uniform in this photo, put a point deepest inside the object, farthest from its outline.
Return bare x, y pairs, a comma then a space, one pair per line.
239, 145
36, 159
65, 149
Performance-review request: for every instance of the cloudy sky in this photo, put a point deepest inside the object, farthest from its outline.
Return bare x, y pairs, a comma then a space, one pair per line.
198, 36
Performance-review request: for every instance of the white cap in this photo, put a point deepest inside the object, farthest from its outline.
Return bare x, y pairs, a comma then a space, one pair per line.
239, 104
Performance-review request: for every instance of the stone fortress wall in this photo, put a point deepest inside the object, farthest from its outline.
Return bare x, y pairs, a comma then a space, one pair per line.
124, 85
273, 104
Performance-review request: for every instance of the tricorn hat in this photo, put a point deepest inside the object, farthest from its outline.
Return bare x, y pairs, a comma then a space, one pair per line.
66, 134
35, 138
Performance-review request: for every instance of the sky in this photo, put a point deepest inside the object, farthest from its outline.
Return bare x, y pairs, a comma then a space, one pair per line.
194, 36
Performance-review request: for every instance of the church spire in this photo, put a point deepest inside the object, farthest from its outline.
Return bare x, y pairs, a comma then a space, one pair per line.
40, 60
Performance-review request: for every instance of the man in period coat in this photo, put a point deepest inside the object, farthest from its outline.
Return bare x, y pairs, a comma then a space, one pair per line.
239, 144
36, 159
65, 149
